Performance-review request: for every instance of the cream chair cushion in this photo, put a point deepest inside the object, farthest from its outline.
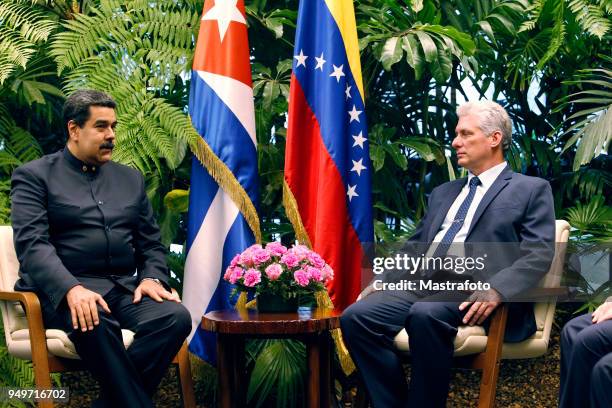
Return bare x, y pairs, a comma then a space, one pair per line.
473, 339
15, 324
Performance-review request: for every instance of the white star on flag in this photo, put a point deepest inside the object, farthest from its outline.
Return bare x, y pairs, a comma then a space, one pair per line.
359, 139
358, 166
354, 114
224, 11
337, 73
347, 91
351, 192
301, 59
320, 62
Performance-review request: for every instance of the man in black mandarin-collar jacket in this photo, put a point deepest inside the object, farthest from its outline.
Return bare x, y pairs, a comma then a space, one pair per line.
89, 246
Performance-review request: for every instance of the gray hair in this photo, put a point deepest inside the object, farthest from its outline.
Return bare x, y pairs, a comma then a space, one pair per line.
493, 117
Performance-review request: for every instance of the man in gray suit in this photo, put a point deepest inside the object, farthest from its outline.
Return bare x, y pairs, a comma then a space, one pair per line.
492, 205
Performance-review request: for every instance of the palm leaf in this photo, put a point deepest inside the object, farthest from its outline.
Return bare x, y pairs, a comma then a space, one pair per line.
590, 128
279, 371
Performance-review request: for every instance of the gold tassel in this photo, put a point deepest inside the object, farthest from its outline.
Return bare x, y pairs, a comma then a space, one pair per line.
346, 362
252, 304
227, 181
293, 213
241, 302
322, 297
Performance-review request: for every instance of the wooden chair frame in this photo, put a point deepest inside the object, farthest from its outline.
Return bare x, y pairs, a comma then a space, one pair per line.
45, 363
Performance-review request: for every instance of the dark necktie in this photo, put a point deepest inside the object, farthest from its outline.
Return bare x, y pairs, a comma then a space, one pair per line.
448, 238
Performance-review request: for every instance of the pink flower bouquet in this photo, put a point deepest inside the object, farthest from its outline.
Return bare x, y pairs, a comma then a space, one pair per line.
276, 270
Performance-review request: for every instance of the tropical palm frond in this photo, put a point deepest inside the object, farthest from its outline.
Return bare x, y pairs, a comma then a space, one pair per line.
533, 14
87, 36
590, 128
279, 367
17, 145
592, 16
588, 181
22, 27
133, 49
593, 218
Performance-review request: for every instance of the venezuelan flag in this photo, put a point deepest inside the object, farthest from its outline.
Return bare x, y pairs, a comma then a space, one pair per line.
327, 190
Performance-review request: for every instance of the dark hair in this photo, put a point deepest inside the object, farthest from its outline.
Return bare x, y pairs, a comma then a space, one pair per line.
77, 105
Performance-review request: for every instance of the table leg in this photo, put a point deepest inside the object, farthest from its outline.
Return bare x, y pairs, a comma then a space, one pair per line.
313, 392
239, 387
225, 370
326, 362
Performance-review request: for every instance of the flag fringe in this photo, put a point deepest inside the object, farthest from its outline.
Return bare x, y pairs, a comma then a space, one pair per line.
293, 213
228, 182
346, 362
322, 297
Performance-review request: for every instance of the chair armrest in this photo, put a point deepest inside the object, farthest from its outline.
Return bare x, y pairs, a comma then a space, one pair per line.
543, 294
31, 305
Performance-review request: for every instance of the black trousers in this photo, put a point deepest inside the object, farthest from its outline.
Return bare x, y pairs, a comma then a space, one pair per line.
368, 329
586, 364
128, 378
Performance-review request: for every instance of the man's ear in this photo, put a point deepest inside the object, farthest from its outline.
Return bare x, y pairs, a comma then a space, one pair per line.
496, 138
73, 131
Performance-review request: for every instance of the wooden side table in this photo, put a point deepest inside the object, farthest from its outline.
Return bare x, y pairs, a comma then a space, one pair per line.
233, 327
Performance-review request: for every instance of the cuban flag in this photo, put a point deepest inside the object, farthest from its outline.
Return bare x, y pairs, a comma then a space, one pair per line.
224, 188
327, 191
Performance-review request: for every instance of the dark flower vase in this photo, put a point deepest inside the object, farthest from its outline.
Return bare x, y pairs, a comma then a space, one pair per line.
271, 303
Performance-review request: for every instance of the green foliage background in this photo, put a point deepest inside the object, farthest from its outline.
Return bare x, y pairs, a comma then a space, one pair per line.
418, 59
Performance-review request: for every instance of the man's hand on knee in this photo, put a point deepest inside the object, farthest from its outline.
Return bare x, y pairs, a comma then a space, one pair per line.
482, 302
603, 312
83, 304
154, 290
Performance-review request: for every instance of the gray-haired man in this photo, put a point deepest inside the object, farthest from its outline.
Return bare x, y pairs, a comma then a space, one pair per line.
493, 204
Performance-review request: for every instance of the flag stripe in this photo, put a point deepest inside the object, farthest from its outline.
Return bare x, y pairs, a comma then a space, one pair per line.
318, 195
331, 106
344, 15
237, 96
223, 195
231, 141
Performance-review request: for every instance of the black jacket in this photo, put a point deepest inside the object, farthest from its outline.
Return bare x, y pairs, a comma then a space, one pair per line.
76, 223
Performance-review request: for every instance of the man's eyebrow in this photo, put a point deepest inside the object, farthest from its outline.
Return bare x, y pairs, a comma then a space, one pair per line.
103, 122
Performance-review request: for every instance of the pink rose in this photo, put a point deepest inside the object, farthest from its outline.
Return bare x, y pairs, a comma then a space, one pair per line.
276, 248
274, 271
315, 259
252, 277
235, 260
301, 277
301, 251
233, 273
246, 258
315, 273
327, 273
260, 256
228, 273
254, 247
290, 259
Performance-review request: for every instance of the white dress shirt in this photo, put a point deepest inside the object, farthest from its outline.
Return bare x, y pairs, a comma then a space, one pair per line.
486, 181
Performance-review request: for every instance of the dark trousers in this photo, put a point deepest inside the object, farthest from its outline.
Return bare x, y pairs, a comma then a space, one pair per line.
368, 329
586, 364
128, 378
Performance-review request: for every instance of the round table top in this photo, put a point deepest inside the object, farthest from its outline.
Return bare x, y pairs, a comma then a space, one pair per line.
251, 322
